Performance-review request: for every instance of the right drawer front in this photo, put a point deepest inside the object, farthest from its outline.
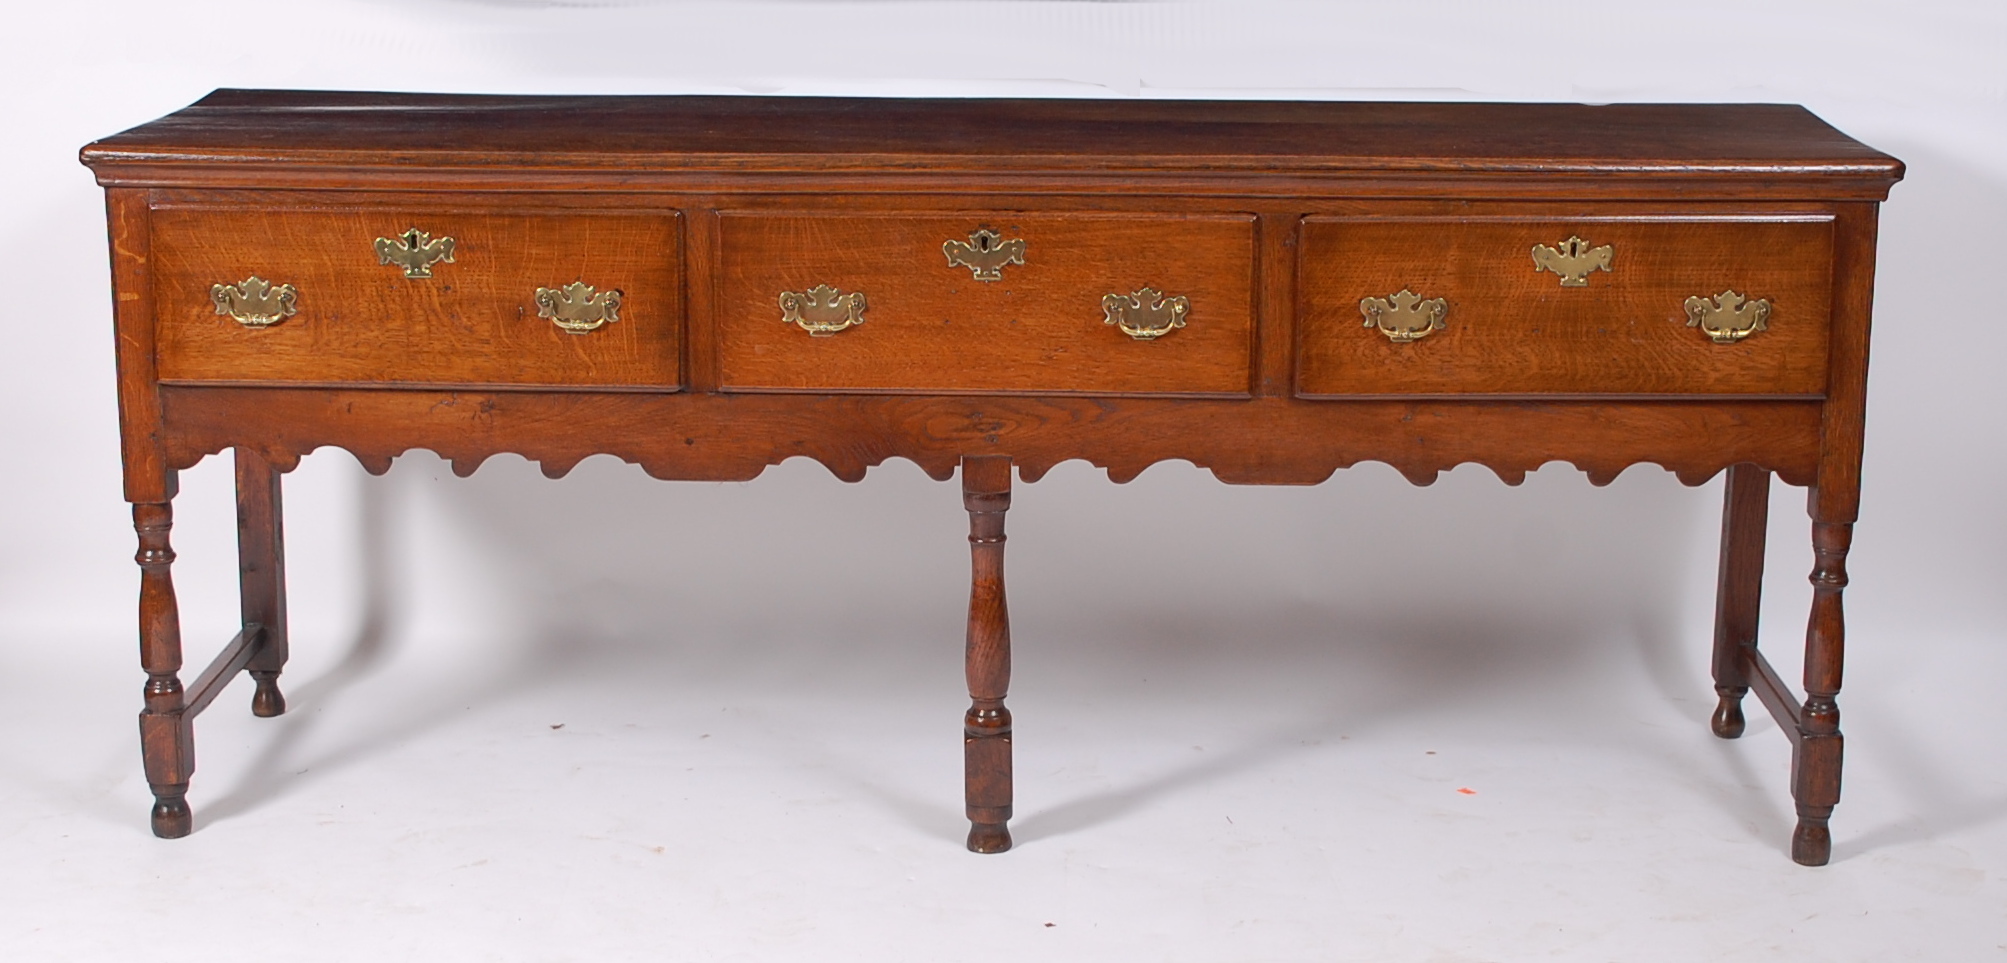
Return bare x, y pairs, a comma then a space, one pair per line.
1510, 326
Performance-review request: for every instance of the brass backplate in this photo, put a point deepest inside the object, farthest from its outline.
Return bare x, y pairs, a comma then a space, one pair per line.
255, 302
985, 254
578, 307
415, 251
1573, 259
1147, 314
1728, 317
1404, 316
822, 310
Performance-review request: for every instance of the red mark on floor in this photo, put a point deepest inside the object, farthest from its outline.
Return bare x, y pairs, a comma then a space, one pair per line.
1466, 790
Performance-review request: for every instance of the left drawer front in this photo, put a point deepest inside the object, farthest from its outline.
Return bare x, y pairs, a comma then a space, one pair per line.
474, 321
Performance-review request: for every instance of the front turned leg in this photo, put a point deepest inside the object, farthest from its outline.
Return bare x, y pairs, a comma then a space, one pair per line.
1815, 764
167, 739
986, 728
261, 571
1739, 591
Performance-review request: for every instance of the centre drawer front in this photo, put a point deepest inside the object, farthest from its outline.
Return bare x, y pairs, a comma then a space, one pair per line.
1508, 325
475, 320
1040, 326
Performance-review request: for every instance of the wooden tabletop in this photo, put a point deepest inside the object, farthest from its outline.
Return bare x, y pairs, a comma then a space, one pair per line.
821, 133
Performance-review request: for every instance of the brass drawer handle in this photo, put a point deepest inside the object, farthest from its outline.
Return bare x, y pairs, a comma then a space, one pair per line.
255, 302
1405, 316
415, 251
1573, 259
578, 307
1146, 315
1728, 317
985, 254
822, 310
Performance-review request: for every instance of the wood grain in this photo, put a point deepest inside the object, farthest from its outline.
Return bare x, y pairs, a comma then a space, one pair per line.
261, 575
1274, 219
728, 437
166, 733
1738, 595
931, 327
474, 322
292, 138
1815, 759
1514, 330
147, 478
986, 727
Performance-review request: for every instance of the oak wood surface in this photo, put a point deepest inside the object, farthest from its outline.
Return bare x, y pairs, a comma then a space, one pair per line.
234, 658
1275, 219
597, 133
1511, 328
986, 727
147, 477
261, 575
166, 730
475, 321
1738, 593
1816, 753
733, 437
931, 327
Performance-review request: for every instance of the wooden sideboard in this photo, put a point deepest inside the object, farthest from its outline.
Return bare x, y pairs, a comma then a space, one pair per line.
709, 285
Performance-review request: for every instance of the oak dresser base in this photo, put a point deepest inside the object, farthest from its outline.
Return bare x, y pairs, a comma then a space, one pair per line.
1272, 291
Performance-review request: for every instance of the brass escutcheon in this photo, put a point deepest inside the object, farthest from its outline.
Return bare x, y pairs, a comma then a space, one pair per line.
1728, 317
1573, 259
985, 254
578, 307
822, 310
1146, 315
1404, 317
415, 251
255, 302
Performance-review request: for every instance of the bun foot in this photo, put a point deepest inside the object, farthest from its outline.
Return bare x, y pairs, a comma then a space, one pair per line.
1728, 722
1811, 843
268, 701
171, 819
989, 837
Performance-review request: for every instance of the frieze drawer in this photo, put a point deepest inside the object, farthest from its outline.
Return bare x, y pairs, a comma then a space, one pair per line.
409, 297
987, 302
1564, 307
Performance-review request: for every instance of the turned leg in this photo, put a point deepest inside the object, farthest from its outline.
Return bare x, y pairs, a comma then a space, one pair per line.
261, 570
1815, 765
986, 728
166, 738
1744, 516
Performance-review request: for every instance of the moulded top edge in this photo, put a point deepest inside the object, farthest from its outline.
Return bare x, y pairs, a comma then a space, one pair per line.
812, 134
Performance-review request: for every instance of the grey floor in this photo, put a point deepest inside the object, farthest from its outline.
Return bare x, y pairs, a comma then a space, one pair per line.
608, 719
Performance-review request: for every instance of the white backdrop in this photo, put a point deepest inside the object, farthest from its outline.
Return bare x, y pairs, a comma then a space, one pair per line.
1924, 81
864, 584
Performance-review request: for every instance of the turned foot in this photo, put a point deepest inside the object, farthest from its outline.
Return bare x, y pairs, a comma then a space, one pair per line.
171, 819
1811, 842
268, 701
1728, 722
989, 837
